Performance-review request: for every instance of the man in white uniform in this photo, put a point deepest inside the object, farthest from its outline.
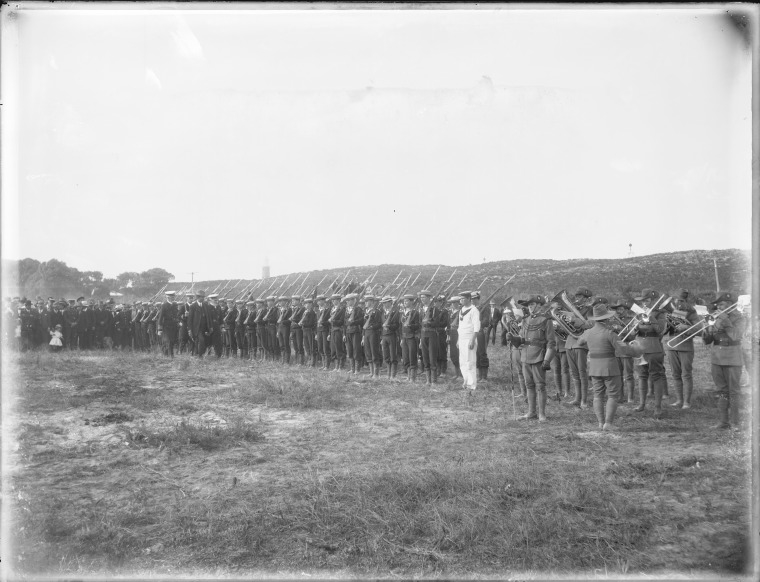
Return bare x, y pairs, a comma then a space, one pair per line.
469, 326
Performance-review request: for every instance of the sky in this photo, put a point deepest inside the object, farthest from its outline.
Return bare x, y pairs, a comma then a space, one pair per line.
213, 141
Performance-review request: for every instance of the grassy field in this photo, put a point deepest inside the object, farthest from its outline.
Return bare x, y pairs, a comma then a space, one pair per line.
134, 464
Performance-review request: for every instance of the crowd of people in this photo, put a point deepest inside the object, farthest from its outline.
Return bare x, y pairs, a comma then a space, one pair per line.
599, 352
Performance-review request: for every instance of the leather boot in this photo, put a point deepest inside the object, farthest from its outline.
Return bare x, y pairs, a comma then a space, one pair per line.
480, 374
578, 394
599, 410
351, 366
609, 416
459, 372
542, 406
389, 370
414, 374
428, 377
631, 391
650, 385
664, 387
679, 394
688, 388
394, 370
485, 374
531, 414
434, 372
643, 388
342, 364
723, 405
371, 370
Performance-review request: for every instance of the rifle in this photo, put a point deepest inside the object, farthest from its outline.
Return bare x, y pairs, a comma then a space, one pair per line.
277, 291
303, 285
265, 294
372, 279
230, 290
484, 280
287, 289
432, 278
463, 278
415, 279
152, 299
331, 286
492, 295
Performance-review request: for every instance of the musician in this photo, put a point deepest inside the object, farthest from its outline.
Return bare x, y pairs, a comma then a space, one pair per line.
391, 321
308, 324
353, 335
373, 324
323, 331
651, 363
512, 320
469, 327
453, 340
603, 343
168, 323
621, 317
560, 365
296, 328
577, 356
337, 327
537, 335
680, 353
283, 328
495, 317
485, 319
724, 333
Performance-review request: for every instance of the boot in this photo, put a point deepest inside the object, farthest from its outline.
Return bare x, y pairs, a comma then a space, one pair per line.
688, 387
577, 399
664, 386
542, 406
643, 387
659, 388
650, 384
389, 370
342, 363
599, 410
414, 374
352, 366
679, 394
394, 370
531, 414
480, 374
434, 372
631, 387
408, 375
485, 374
723, 405
371, 370
459, 372
428, 378
609, 413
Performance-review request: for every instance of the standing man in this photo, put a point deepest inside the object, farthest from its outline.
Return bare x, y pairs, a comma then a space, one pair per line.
182, 312
199, 325
389, 336
308, 323
296, 328
373, 323
724, 334
453, 316
353, 336
429, 337
485, 318
441, 329
495, 314
537, 335
262, 339
270, 319
229, 317
337, 328
323, 331
603, 343
469, 327
578, 356
215, 314
283, 328
681, 353
240, 329
651, 364
168, 324
624, 315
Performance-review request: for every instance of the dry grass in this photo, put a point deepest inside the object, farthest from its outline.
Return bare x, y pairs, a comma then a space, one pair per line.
135, 464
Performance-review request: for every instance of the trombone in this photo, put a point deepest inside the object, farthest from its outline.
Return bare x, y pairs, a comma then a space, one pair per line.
642, 316
697, 328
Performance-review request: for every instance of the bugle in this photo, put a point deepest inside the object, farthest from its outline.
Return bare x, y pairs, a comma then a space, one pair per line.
698, 327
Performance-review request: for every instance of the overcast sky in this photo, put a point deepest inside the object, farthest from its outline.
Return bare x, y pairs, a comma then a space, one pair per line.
209, 141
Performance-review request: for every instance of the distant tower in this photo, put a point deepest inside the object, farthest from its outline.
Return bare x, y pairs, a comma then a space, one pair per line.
265, 269
630, 249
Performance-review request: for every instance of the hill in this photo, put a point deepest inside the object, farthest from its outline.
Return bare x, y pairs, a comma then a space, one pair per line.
666, 272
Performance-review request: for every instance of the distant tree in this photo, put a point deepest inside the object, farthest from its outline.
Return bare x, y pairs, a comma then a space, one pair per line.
151, 281
127, 279
26, 269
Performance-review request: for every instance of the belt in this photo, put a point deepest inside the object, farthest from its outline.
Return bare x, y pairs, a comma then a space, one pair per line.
535, 343
600, 356
337, 329
650, 334
729, 342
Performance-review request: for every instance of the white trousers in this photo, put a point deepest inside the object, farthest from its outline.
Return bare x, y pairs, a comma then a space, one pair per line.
468, 360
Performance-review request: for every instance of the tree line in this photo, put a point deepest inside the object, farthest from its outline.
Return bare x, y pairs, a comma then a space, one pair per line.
56, 279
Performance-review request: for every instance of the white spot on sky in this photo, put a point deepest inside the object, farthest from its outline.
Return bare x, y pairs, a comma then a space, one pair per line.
186, 42
152, 79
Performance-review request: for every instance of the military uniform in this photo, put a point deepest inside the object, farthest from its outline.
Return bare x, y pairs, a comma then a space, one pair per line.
603, 345
577, 356
625, 362
469, 327
308, 324
482, 354
680, 354
323, 332
337, 328
296, 330
353, 336
389, 335
725, 338
229, 316
515, 353
651, 363
539, 342
453, 330
373, 324
270, 319
429, 340
241, 342
441, 330
249, 325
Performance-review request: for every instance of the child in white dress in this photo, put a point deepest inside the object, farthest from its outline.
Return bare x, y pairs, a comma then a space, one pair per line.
55, 343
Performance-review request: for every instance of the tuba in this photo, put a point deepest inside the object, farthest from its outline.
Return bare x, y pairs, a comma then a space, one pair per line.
563, 318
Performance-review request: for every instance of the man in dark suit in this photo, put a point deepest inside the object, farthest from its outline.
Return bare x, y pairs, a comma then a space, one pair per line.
200, 323
167, 324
